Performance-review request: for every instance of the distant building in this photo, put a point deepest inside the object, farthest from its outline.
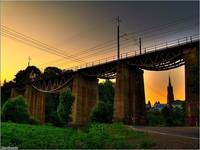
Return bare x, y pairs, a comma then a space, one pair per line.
171, 103
158, 106
177, 104
157, 102
170, 93
148, 106
170, 97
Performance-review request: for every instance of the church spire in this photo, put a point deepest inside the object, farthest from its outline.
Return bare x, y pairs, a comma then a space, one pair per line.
170, 93
169, 81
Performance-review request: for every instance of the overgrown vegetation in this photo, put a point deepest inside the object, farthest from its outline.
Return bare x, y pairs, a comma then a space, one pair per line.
65, 105
166, 117
96, 136
51, 104
15, 110
103, 110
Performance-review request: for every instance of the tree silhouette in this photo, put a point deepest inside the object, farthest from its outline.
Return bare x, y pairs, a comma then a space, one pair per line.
51, 71
24, 75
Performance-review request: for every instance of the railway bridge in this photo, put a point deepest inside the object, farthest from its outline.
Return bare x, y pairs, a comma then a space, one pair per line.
129, 101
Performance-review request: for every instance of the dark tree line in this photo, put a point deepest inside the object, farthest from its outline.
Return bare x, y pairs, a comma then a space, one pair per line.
24, 76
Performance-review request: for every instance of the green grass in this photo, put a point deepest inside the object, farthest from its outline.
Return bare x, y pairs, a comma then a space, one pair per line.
93, 136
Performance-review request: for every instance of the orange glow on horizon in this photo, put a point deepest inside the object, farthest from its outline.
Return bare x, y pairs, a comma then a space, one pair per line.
33, 20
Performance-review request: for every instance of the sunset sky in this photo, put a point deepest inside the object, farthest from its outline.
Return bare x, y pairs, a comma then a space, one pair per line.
77, 29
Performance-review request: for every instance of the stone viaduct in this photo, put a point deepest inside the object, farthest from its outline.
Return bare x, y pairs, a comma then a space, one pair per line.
129, 102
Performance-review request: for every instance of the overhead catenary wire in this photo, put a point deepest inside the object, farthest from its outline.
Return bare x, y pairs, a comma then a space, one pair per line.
101, 46
138, 34
112, 48
125, 42
111, 54
108, 42
22, 38
92, 54
33, 42
109, 45
35, 46
38, 43
146, 32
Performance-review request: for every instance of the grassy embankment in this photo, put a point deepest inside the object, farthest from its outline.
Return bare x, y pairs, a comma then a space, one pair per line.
94, 136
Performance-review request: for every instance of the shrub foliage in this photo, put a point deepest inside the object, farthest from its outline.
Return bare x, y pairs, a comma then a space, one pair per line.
103, 110
15, 110
166, 117
65, 104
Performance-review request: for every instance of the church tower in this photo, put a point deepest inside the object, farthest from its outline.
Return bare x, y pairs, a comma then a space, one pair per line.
170, 94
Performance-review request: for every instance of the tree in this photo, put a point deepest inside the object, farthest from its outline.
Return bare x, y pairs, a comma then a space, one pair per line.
51, 71
102, 112
155, 118
6, 91
106, 92
24, 75
167, 114
65, 104
178, 116
15, 110
51, 104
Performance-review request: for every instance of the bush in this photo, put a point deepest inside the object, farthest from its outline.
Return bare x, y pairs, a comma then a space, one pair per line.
51, 104
155, 118
33, 121
106, 92
167, 114
102, 112
15, 110
97, 133
166, 117
64, 108
178, 117
55, 121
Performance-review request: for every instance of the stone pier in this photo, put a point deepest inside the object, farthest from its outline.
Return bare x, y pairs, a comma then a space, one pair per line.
85, 91
129, 103
36, 103
192, 86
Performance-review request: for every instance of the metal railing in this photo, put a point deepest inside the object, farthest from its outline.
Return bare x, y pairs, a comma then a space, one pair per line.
157, 47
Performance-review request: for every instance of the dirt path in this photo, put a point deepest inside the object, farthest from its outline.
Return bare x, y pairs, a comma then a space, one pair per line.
173, 142
164, 138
